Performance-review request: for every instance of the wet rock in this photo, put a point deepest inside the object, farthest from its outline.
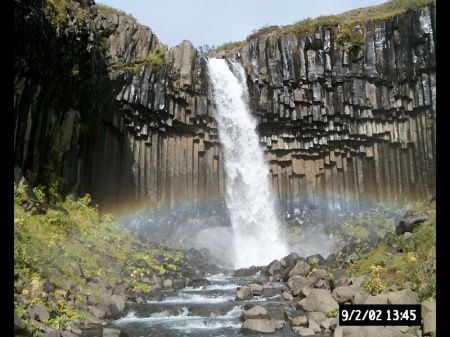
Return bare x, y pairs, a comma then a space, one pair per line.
244, 293
303, 331
299, 321
246, 272
260, 325
107, 332
257, 312
197, 283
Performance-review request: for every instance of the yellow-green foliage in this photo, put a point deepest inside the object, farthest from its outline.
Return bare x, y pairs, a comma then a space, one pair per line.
343, 25
413, 263
375, 281
356, 17
155, 58
405, 5
333, 313
155, 260
231, 45
30, 329
308, 26
73, 237
65, 316
263, 30
58, 9
107, 10
362, 224
314, 264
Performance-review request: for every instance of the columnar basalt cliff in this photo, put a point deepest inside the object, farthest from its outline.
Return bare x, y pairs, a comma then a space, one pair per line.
102, 107
343, 129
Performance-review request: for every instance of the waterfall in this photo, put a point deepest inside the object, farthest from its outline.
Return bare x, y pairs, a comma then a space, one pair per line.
257, 232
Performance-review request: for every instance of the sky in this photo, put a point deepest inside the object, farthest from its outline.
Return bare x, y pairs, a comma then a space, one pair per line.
213, 22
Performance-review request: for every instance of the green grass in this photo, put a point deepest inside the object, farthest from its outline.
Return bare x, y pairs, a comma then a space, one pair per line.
263, 30
342, 25
155, 58
348, 20
412, 263
50, 247
107, 10
57, 11
230, 45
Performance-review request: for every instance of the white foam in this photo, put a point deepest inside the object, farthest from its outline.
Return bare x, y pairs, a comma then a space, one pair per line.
158, 316
257, 229
218, 277
236, 311
206, 325
195, 298
228, 286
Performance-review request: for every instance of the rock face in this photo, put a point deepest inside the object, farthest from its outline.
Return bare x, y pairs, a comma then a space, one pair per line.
102, 107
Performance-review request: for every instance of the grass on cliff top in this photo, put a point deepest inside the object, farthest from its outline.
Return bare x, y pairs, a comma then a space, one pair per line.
59, 9
70, 243
346, 21
350, 19
107, 10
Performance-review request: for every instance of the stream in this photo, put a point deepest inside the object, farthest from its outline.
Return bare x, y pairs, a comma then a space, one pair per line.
212, 310
206, 311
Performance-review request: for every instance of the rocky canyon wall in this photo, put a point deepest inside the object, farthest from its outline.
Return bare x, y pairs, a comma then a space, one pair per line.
342, 128
101, 106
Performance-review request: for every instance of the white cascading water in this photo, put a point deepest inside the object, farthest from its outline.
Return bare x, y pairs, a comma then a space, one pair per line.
257, 231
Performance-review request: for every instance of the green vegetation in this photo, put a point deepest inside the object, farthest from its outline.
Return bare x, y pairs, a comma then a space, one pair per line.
384, 258
155, 59
361, 226
348, 20
263, 30
69, 244
333, 313
348, 27
412, 261
231, 45
314, 264
205, 49
57, 11
343, 25
107, 10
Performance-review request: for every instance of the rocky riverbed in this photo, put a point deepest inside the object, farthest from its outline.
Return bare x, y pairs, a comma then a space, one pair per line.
295, 295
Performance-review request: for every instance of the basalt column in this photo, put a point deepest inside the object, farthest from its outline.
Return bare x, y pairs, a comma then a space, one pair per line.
102, 107
165, 121
347, 129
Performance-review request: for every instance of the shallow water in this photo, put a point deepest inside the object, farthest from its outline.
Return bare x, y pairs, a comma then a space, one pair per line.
208, 311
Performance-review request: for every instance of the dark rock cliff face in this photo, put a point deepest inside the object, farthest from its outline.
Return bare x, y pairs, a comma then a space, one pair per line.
102, 107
